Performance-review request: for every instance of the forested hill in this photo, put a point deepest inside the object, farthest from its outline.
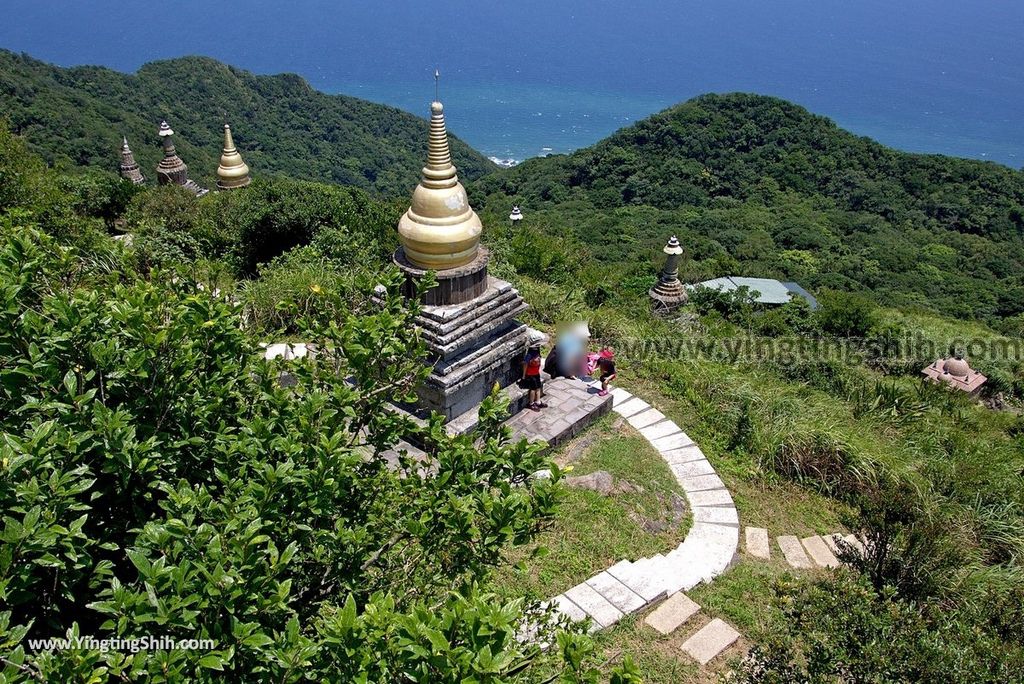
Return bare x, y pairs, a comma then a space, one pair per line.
762, 187
281, 124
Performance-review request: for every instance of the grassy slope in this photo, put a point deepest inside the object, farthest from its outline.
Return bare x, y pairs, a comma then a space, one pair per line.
281, 124
594, 531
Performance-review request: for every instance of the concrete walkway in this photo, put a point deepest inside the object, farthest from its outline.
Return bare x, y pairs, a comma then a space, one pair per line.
709, 547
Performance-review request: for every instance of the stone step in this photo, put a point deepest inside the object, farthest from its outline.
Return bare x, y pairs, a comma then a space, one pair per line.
833, 541
819, 552
692, 468
638, 577
686, 454
673, 612
620, 396
672, 442
659, 430
701, 483
757, 543
631, 407
707, 551
722, 515
645, 418
569, 609
593, 604
686, 568
617, 593
793, 552
855, 543
710, 497
709, 641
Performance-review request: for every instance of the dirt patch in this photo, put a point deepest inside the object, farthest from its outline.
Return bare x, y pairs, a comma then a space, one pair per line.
577, 449
675, 510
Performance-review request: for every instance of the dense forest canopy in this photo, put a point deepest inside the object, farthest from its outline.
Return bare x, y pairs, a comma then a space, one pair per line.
281, 124
757, 186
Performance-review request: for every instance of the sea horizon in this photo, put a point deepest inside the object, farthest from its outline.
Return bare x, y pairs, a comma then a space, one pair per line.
534, 78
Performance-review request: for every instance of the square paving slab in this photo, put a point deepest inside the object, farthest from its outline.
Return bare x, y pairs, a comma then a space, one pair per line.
674, 611
714, 638
757, 543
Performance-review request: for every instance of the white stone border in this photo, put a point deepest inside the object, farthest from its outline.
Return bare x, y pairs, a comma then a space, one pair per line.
709, 547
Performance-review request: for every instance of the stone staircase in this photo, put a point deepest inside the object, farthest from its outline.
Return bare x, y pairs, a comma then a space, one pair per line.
708, 550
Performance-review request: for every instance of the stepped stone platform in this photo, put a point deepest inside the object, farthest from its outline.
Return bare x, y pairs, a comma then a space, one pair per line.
708, 550
468, 321
572, 406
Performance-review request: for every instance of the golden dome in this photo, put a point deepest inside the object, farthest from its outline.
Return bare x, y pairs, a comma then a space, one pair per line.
440, 230
232, 172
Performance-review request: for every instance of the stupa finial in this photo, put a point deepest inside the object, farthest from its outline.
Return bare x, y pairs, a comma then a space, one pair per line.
233, 172
440, 230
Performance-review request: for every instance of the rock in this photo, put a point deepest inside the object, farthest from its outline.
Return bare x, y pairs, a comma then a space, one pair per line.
575, 451
602, 482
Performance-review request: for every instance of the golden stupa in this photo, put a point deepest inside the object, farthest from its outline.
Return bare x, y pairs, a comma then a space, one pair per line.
440, 230
232, 172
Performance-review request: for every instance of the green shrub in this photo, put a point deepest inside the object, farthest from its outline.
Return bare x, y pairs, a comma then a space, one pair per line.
845, 314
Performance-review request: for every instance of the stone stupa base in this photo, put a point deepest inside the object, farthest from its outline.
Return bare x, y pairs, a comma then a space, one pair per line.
474, 340
668, 296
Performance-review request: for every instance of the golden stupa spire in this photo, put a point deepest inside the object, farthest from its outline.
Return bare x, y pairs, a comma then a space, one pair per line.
233, 172
440, 230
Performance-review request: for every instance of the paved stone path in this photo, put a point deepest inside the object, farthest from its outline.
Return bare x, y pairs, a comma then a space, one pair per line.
815, 551
572, 406
709, 547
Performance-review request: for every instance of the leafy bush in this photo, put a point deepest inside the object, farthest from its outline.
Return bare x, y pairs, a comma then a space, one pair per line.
840, 629
845, 314
157, 478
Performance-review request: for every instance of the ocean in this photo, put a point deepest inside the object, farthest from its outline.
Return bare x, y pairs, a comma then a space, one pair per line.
549, 76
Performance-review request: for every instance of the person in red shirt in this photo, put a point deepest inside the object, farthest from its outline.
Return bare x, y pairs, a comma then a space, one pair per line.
532, 381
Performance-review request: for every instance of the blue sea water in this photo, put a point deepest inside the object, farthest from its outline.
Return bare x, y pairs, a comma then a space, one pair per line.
537, 76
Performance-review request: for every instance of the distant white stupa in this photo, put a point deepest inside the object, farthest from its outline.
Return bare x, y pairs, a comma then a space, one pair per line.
516, 216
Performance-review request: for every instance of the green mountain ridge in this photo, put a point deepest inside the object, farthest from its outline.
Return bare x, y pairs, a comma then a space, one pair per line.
76, 116
758, 186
